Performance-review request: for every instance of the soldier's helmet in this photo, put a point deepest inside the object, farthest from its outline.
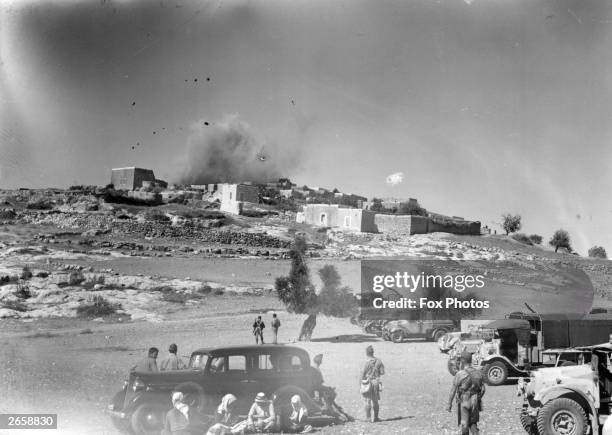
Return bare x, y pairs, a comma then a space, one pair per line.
466, 357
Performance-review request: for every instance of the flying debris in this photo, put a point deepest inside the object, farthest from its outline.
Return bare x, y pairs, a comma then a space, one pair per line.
395, 178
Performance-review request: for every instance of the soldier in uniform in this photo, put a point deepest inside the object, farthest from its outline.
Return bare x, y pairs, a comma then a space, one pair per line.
468, 387
371, 374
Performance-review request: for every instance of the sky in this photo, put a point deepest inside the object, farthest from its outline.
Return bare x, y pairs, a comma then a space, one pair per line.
485, 106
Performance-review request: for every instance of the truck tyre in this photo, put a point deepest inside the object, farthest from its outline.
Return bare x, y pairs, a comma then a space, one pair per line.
148, 419
397, 336
562, 416
452, 366
438, 334
529, 424
496, 373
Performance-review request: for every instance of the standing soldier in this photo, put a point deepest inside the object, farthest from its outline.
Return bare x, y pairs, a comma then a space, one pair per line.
469, 388
258, 327
275, 325
371, 385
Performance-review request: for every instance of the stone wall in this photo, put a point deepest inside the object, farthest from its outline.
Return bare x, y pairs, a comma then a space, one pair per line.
409, 224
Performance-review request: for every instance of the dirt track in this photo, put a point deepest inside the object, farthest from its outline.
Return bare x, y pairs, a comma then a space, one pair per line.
73, 374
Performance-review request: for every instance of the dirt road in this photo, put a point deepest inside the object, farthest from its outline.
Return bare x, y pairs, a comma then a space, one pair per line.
64, 369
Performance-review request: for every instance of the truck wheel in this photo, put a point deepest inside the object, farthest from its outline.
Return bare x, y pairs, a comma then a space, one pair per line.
562, 417
496, 373
452, 366
148, 419
438, 335
397, 336
529, 424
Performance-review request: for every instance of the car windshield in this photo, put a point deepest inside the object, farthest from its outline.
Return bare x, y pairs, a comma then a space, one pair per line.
198, 361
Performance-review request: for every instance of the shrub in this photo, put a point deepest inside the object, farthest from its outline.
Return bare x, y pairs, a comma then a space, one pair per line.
535, 239
8, 214
204, 290
561, 239
156, 215
39, 204
23, 292
15, 305
97, 306
511, 223
523, 238
598, 252
26, 273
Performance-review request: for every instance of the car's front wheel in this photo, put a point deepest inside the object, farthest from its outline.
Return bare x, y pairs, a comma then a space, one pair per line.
148, 419
496, 373
562, 416
438, 335
397, 336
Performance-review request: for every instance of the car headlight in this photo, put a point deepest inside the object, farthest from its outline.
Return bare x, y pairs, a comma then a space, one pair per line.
138, 385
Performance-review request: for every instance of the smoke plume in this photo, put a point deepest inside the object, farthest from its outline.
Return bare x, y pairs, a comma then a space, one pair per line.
395, 178
228, 152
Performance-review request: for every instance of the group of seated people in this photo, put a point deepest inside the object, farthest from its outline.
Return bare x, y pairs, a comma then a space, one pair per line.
265, 415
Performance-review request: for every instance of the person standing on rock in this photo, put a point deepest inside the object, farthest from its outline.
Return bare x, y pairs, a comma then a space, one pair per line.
468, 387
149, 364
173, 362
258, 327
370, 384
275, 325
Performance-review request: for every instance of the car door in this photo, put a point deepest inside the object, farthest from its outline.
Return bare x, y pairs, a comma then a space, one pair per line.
228, 375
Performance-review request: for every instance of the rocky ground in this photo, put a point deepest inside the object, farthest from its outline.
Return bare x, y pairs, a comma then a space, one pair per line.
86, 287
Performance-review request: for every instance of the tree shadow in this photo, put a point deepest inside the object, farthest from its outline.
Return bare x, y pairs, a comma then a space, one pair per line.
397, 418
348, 338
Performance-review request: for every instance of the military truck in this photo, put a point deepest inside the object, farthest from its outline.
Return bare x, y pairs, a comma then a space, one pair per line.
569, 399
521, 339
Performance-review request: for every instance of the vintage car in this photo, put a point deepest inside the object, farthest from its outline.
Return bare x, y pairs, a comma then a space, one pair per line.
240, 370
429, 329
569, 399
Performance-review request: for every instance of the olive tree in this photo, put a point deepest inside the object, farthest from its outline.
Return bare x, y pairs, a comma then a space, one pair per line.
598, 252
511, 223
299, 295
560, 239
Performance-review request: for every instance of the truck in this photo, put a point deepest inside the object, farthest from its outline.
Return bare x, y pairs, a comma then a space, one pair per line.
521, 339
569, 399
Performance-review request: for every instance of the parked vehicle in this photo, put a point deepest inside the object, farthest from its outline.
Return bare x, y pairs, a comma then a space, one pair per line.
450, 339
399, 330
572, 399
240, 370
521, 339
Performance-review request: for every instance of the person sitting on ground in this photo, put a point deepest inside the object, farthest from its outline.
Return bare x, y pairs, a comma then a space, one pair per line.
173, 362
177, 419
149, 364
298, 420
226, 422
262, 417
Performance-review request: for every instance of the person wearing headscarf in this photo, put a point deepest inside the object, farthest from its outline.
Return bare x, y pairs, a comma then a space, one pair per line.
298, 420
262, 417
225, 420
177, 419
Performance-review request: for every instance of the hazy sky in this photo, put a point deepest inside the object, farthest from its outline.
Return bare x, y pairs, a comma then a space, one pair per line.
486, 106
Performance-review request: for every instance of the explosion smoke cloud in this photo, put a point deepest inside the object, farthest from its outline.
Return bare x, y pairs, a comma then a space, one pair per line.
395, 178
227, 152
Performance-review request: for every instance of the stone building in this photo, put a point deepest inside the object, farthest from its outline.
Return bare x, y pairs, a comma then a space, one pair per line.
333, 215
234, 195
130, 178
